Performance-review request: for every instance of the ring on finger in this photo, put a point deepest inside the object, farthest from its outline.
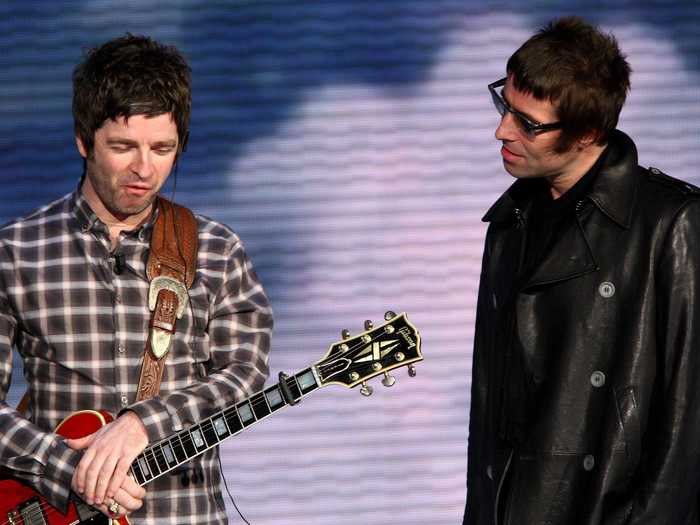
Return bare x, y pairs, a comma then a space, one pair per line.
114, 508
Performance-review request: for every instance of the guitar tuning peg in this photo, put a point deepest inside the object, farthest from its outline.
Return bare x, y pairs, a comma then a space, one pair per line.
389, 315
368, 324
411, 370
366, 390
345, 333
388, 380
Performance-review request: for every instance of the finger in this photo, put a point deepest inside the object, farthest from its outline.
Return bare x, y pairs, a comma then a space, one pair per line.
127, 502
118, 477
94, 472
80, 474
133, 488
105, 477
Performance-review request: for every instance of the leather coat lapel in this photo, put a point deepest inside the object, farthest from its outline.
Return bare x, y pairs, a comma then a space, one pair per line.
613, 193
571, 256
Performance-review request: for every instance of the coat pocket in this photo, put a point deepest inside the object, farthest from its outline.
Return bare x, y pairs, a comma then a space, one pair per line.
628, 416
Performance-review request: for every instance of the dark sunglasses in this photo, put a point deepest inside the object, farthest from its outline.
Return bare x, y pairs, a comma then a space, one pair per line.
528, 126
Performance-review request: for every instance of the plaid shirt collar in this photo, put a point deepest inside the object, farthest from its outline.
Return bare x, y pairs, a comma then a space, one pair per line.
89, 221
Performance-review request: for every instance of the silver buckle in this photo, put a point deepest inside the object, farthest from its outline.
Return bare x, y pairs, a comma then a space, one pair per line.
161, 339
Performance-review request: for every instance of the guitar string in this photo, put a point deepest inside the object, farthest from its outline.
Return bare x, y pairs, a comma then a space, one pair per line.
258, 400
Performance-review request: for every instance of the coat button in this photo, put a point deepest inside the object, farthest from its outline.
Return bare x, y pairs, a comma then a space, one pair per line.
597, 379
606, 289
489, 472
588, 462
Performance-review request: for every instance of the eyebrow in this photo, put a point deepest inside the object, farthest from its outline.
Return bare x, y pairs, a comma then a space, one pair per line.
526, 115
129, 142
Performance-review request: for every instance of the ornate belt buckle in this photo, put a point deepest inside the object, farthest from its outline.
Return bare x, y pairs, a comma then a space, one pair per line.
160, 338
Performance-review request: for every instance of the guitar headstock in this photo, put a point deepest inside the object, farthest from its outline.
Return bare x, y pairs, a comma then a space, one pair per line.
375, 351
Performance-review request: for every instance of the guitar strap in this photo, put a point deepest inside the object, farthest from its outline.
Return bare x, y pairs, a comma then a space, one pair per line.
172, 263
171, 267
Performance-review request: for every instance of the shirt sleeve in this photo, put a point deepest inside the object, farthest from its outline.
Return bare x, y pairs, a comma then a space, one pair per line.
669, 474
35, 458
239, 330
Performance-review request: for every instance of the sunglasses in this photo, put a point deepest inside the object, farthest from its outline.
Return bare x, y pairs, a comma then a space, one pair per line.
528, 126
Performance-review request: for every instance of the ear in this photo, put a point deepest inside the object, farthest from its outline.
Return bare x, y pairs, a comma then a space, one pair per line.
81, 147
587, 140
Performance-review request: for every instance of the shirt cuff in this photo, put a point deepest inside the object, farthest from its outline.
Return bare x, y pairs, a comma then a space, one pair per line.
55, 484
155, 418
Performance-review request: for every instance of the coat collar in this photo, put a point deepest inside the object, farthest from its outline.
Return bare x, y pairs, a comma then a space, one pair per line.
614, 190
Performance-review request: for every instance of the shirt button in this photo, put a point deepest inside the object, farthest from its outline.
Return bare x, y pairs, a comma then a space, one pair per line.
489, 472
125, 401
121, 349
588, 462
597, 379
118, 298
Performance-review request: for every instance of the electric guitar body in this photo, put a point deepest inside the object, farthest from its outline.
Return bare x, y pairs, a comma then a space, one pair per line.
21, 505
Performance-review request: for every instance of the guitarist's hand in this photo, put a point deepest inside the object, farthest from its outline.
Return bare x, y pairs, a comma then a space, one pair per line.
101, 474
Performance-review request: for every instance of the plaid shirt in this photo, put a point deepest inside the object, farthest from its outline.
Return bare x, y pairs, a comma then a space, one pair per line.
81, 329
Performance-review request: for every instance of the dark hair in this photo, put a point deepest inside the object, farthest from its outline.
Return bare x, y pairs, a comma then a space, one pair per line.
130, 75
581, 71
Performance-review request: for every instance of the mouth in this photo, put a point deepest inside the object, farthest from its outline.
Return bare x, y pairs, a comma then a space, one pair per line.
137, 190
508, 155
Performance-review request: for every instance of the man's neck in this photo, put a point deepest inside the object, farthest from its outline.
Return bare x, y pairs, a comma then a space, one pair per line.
563, 182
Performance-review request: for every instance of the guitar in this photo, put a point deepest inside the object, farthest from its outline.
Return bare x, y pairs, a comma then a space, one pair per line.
349, 362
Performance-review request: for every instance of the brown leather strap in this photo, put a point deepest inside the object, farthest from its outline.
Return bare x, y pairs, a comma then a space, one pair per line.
171, 267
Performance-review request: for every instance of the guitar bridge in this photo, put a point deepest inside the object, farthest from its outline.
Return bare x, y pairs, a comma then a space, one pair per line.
31, 512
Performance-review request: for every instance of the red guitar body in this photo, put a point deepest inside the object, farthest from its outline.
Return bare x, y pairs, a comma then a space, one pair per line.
20, 505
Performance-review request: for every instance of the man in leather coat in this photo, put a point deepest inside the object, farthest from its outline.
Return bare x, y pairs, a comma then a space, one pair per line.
585, 404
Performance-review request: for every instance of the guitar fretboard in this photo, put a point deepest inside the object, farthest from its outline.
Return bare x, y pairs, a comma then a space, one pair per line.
168, 454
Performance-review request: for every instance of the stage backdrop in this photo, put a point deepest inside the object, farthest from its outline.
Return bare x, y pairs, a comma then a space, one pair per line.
350, 144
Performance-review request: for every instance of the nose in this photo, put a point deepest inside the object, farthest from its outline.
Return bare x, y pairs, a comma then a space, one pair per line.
141, 164
507, 129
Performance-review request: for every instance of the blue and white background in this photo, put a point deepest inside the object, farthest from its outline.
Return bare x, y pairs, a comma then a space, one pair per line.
350, 144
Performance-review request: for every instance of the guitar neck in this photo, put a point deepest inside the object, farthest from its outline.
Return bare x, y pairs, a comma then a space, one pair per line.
166, 455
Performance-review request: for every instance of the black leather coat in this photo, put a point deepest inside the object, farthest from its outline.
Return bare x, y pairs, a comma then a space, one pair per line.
609, 326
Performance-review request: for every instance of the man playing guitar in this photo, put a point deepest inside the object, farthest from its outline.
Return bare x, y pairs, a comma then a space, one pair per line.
75, 281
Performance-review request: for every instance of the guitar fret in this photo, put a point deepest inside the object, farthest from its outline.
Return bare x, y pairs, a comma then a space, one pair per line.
152, 463
274, 398
245, 412
198, 438
169, 454
209, 434
137, 474
294, 388
233, 420
179, 449
143, 465
220, 427
160, 458
187, 443
260, 406
306, 381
